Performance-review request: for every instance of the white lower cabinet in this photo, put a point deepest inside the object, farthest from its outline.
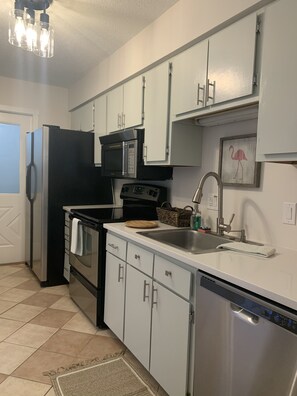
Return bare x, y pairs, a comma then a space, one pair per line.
170, 340
115, 294
138, 314
154, 310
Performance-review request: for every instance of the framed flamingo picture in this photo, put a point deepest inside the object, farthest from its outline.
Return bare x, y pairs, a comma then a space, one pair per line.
237, 165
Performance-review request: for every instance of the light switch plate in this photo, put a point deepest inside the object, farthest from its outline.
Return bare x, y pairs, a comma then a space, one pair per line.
289, 213
212, 201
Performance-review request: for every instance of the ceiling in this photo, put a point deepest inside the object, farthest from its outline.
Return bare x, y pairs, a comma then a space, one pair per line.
86, 32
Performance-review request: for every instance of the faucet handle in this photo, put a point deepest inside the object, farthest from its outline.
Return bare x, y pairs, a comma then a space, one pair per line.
231, 219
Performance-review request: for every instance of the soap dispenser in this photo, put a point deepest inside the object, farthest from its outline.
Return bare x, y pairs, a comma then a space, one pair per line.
195, 222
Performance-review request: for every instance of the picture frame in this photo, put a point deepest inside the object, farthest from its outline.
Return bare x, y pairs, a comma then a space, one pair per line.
237, 162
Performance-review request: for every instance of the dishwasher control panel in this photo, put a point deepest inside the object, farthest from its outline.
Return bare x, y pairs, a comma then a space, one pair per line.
249, 303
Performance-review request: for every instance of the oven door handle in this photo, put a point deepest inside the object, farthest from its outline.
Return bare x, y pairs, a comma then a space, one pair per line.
83, 222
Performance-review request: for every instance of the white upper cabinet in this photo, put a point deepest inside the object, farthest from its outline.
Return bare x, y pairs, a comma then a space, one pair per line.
216, 70
100, 109
125, 105
156, 109
166, 143
82, 119
189, 79
277, 123
231, 61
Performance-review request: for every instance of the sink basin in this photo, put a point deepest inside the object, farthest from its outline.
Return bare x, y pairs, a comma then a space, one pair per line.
189, 240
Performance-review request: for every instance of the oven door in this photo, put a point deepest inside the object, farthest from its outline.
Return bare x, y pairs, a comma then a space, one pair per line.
87, 263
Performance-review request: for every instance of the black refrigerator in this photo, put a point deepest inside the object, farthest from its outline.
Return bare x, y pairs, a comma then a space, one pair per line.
60, 171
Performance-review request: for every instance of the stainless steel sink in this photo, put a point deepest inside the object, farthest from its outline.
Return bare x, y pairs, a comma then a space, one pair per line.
189, 240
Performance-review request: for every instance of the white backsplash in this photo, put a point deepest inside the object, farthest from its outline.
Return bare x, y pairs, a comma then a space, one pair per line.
257, 210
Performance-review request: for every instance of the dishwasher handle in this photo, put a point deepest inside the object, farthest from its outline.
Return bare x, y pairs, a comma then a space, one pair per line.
249, 306
244, 314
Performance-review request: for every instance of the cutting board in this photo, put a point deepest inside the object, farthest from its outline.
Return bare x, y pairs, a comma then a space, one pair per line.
141, 224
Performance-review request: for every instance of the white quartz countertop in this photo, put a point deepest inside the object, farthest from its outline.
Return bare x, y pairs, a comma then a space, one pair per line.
274, 277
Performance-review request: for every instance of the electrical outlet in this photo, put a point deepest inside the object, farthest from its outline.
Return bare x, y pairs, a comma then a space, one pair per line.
212, 201
289, 213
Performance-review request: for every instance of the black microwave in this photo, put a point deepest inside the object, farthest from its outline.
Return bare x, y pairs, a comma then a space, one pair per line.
122, 157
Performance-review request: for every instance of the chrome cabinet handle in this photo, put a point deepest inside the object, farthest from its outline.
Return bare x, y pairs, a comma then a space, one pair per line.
199, 88
119, 120
123, 120
168, 273
213, 85
120, 277
145, 284
144, 151
155, 291
137, 257
113, 246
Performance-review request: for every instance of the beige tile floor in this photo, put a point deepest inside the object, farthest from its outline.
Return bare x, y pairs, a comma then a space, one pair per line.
41, 329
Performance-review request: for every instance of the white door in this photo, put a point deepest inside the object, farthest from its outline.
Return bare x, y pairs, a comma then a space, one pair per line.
189, 70
13, 128
114, 109
115, 295
156, 107
133, 103
138, 314
170, 340
231, 61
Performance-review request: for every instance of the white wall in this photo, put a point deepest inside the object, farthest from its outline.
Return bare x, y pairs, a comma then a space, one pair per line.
50, 102
258, 210
182, 23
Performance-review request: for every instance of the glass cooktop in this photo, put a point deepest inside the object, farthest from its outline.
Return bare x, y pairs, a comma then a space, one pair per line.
118, 214
99, 215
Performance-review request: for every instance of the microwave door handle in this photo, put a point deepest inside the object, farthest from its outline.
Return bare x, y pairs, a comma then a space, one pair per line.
124, 160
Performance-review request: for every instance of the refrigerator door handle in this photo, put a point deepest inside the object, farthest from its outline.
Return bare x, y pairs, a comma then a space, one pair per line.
34, 189
28, 182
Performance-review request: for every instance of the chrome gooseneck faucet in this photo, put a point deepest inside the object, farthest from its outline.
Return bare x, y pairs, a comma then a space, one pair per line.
198, 196
221, 226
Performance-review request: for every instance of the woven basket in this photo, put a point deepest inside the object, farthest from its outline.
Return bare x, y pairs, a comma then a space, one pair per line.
176, 217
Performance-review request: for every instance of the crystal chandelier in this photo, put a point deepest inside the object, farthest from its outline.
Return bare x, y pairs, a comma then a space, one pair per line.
27, 33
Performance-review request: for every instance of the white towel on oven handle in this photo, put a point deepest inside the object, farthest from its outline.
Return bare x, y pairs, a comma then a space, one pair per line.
76, 246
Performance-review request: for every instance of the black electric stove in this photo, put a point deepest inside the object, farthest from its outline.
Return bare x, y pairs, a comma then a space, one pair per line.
87, 272
139, 203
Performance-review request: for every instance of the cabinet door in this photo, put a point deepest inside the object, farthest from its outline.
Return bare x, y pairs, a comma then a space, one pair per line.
277, 123
114, 294
100, 125
169, 340
133, 103
82, 119
231, 61
114, 109
189, 79
138, 314
156, 108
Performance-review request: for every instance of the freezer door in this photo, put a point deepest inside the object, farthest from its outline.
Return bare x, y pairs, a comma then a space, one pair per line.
39, 183
243, 353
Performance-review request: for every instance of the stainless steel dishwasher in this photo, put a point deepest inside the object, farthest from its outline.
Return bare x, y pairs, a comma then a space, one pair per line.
245, 345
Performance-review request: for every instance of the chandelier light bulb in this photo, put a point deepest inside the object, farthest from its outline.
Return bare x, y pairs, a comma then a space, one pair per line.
16, 29
25, 32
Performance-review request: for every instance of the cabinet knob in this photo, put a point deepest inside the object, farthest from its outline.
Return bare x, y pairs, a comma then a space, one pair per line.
168, 273
137, 257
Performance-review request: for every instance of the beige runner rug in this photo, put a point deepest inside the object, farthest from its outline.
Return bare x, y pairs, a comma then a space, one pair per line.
112, 376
